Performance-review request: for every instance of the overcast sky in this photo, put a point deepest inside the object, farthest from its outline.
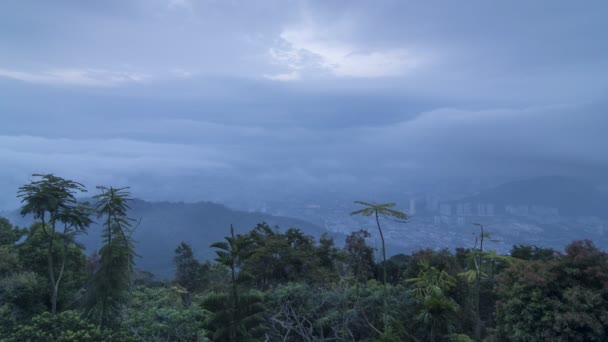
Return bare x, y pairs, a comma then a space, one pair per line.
176, 97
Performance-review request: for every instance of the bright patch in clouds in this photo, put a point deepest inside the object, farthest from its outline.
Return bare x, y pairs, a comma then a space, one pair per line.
82, 77
289, 76
309, 49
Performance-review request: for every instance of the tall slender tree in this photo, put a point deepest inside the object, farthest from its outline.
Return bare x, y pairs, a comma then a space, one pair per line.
482, 268
377, 211
187, 273
52, 200
113, 276
236, 313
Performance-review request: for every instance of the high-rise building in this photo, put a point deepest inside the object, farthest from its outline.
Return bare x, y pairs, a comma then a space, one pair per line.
460, 209
432, 203
437, 220
490, 209
466, 208
412, 207
481, 209
445, 209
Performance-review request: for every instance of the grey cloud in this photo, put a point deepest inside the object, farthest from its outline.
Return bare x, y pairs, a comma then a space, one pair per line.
506, 89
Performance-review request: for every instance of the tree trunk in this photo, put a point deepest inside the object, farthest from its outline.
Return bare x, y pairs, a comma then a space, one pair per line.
51, 268
384, 302
56, 285
477, 332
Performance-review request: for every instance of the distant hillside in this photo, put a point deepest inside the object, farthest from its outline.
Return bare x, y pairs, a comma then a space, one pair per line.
570, 196
164, 225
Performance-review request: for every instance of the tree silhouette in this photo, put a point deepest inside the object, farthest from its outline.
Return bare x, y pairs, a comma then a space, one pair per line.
52, 200
384, 210
236, 312
477, 273
113, 277
436, 310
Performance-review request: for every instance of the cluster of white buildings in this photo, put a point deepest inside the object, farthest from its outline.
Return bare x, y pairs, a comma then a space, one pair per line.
461, 214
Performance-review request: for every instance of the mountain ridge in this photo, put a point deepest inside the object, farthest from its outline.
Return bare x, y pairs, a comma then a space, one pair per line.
161, 226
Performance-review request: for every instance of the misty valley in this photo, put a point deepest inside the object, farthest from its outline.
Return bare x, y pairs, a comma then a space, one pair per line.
303, 170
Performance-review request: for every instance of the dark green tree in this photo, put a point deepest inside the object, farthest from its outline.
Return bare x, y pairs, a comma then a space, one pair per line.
9, 258
112, 277
359, 256
32, 257
276, 257
331, 259
483, 267
9, 234
158, 314
531, 252
561, 299
436, 310
66, 326
236, 311
52, 200
188, 272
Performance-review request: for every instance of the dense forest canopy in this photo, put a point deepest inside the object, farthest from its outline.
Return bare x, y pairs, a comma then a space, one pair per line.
274, 284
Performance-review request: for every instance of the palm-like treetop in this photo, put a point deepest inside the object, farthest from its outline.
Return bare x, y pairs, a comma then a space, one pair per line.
380, 210
385, 211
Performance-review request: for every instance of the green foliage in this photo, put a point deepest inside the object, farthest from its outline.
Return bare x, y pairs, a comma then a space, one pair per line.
188, 271
435, 309
33, 258
8, 320
385, 210
564, 298
331, 259
9, 235
529, 253
276, 258
157, 314
305, 312
9, 260
48, 197
113, 275
64, 327
457, 338
9, 257
359, 256
52, 200
236, 312
431, 280
284, 286
381, 210
25, 291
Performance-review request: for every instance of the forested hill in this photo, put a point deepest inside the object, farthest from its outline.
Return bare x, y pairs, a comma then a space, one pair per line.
163, 225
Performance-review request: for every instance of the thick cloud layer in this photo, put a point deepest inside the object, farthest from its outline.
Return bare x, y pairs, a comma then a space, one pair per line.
193, 99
